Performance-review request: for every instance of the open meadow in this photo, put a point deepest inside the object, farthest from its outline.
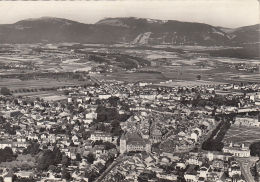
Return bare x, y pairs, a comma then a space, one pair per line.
242, 134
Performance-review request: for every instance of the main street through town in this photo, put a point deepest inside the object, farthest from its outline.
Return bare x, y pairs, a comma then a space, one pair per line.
118, 160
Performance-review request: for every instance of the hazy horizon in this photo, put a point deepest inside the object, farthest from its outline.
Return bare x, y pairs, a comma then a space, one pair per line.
223, 13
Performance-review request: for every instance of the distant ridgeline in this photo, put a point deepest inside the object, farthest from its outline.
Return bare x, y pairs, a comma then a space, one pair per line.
126, 30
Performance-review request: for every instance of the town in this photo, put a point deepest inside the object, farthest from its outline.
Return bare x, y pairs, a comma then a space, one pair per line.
129, 91
115, 131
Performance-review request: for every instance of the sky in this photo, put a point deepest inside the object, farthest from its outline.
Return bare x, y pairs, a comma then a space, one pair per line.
224, 13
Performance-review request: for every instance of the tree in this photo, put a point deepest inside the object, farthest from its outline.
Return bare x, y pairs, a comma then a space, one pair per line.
198, 77
255, 149
113, 101
90, 158
86, 134
78, 157
57, 156
45, 160
16, 102
97, 142
5, 91
109, 145
212, 145
52, 168
98, 102
115, 123
65, 161
6, 154
102, 127
33, 148
66, 175
14, 169
81, 109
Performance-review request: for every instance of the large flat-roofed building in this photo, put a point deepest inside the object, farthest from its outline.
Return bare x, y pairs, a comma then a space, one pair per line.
237, 150
247, 121
133, 142
99, 135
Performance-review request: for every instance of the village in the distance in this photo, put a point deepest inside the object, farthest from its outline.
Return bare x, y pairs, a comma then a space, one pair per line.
126, 112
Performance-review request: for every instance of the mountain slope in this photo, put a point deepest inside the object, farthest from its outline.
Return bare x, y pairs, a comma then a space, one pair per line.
122, 30
169, 32
247, 35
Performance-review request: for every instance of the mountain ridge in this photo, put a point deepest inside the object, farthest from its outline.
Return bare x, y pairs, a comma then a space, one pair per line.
125, 30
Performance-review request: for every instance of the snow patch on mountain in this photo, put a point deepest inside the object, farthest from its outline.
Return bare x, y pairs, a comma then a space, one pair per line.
218, 32
142, 38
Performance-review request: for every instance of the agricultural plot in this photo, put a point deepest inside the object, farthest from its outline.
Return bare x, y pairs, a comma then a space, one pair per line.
46, 95
183, 83
15, 84
250, 78
134, 77
242, 134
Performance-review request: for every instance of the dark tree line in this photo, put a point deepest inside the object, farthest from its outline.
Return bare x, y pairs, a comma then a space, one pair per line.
214, 142
255, 149
7, 155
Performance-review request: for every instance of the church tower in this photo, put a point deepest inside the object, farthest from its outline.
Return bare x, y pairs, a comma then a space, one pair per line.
122, 144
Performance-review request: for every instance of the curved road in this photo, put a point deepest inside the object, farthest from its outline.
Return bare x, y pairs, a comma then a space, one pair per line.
245, 164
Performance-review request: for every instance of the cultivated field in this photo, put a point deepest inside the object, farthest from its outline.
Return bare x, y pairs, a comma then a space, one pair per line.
46, 95
15, 84
133, 77
182, 83
242, 134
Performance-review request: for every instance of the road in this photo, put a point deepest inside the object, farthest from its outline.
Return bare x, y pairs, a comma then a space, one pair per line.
95, 80
114, 164
245, 164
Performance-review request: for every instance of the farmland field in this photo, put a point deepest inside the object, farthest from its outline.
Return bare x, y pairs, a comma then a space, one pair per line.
15, 84
133, 77
45, 95
182, 83
166, 62
242, 134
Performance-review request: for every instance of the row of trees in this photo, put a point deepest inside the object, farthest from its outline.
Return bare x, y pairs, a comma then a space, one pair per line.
214, 142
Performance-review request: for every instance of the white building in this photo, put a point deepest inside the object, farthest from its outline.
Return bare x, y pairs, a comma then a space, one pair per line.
99, 135
104, 96
4, 144
237, 150
247, 121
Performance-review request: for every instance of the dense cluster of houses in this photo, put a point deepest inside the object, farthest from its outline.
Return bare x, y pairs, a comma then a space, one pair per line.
160, 128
